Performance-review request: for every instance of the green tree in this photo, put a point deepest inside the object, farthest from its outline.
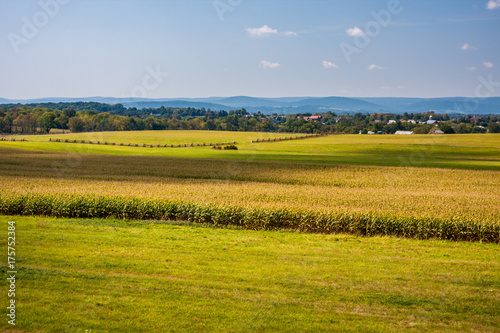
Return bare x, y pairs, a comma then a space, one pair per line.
210, 125
46, 121
69, 113
446, 128
76, 124
494, 128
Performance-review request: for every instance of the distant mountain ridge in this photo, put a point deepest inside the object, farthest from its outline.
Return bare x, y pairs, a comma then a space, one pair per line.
288, 105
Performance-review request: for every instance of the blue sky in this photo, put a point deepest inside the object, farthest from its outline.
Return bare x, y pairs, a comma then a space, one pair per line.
262, 48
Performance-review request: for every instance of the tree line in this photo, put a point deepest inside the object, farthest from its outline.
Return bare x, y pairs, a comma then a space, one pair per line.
33, 119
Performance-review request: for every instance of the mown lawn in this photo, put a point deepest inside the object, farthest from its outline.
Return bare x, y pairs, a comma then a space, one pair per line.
129, 276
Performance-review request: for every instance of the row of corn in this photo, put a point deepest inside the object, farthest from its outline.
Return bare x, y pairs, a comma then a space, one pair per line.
364, 224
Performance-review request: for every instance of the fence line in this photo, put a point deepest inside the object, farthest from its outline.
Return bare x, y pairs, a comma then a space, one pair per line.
182, 145
150, 145
12, 139
289, 138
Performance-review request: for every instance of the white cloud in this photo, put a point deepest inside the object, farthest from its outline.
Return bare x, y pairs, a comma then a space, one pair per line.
465, 47
267, 31
268, 64
355, 32
471, 68
329, 64
488, 64
493, 4
262, 31
373, 67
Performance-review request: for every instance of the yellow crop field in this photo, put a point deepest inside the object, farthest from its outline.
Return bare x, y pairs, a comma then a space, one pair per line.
309, 188
400, 191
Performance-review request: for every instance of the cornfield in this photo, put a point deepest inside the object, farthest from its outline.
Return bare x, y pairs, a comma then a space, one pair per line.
244, 190
364, 224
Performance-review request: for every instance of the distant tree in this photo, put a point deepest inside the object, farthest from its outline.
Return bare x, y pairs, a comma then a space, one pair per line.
27, 123
6, 124
422, 129
446, 128
76, 124
61, 121
46, 121
494, 128
69, 113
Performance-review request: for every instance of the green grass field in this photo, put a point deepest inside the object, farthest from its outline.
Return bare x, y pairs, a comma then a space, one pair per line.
474, 151
129, 276
158, 276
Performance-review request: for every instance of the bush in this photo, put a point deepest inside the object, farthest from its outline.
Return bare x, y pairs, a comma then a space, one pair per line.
231, 147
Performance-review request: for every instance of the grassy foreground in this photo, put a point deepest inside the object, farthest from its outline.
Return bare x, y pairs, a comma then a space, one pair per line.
118, 276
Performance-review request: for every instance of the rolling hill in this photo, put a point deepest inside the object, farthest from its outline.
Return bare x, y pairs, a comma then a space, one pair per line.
288, 105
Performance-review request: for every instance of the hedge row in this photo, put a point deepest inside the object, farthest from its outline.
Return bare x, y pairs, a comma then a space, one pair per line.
365, 224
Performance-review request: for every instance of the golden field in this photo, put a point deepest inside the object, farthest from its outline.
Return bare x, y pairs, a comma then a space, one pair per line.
400, 191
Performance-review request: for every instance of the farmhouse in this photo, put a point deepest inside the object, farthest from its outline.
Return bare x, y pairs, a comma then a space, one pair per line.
437, 132
404, 133
431, 121
315, 118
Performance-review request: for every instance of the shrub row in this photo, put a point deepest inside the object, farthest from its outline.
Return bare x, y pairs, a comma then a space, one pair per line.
364, 224
230, 147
